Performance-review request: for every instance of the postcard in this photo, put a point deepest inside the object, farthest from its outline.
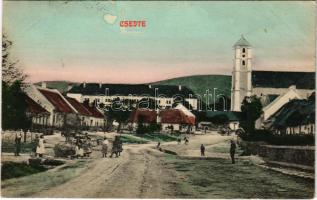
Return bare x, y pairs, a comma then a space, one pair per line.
158, 99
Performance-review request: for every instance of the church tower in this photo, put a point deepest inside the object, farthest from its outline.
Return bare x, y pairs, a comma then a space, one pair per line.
241, 74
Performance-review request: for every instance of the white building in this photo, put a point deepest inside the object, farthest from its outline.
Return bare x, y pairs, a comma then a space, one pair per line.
275, 88
241, 74
164, 95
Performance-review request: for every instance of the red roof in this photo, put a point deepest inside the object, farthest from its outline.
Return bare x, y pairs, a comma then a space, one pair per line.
94, 111
175, 116
79, 107
58, 102
147, 116
34, 107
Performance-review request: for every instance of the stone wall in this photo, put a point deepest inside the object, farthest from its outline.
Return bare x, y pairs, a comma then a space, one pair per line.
302, 155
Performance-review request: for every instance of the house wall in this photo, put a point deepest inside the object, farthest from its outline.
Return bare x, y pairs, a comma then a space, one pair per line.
34, 94
304, 93
107, 100
280, 101
91, 121
40, 120
304, 129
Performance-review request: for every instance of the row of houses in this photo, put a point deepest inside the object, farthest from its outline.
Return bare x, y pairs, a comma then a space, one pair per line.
49, 108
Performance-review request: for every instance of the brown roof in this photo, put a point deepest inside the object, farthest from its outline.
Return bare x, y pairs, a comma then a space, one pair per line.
58, 102
94, 111
79, 107
147, 116
34, 107
175, 116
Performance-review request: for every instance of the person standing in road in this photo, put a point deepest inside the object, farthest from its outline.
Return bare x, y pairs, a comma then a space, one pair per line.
40, 149
18, 138
186, 140
105, 145
232, 150
202, 150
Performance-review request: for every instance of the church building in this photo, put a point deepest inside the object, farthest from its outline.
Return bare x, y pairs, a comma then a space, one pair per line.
275, 88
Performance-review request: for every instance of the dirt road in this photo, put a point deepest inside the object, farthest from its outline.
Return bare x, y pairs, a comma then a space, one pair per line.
138, 173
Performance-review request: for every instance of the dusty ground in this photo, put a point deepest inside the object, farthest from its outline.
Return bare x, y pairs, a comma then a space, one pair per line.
138, 173
144, 172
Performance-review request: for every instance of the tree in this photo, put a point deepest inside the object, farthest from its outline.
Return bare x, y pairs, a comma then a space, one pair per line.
220, 119
118, 112
14, 107
251, 110
10, 71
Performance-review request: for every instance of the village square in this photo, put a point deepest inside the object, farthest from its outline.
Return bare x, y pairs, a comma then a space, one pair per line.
250, 134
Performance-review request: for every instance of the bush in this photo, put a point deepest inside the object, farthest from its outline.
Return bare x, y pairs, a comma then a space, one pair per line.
274, 139
152, 128
14, 170
64, 150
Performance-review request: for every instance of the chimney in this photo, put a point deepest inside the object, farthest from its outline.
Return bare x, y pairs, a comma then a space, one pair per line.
43, 84
150, 86
179, 87
84, 84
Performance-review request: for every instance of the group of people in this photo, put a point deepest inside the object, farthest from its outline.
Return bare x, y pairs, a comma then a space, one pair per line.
116, 148
83, 146
38, 147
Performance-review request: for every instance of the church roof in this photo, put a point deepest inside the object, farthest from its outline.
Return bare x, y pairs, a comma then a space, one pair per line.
275, 79
242, 42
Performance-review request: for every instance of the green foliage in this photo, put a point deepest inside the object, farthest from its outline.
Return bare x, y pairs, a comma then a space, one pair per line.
220, 119
14, 107
119, 111
251, 109
159, 137
10, 72
10, 147
274, 139
14, 170
129, 139
64, 150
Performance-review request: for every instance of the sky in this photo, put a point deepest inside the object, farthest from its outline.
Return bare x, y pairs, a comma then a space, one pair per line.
83, 41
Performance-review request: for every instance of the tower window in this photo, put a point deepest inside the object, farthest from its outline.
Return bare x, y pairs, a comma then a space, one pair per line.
243, 62
243, 50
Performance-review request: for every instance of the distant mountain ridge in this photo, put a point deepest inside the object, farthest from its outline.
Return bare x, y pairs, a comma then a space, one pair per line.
199, 84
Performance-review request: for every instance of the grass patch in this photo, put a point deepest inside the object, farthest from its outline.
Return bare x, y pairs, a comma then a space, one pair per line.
14, 170
28, 185
10, 147
130, 139
218, 178
156, 137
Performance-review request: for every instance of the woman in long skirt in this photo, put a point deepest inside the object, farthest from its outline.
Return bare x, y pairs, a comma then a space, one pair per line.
40, 149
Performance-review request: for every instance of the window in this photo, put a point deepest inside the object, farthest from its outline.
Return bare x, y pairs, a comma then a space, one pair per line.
243, 50
243, 62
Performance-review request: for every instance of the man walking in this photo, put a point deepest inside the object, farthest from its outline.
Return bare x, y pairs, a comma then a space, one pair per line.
232, 150
202, 150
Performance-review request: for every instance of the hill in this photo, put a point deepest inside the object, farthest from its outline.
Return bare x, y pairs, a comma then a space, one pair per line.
61, 86
199, 84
